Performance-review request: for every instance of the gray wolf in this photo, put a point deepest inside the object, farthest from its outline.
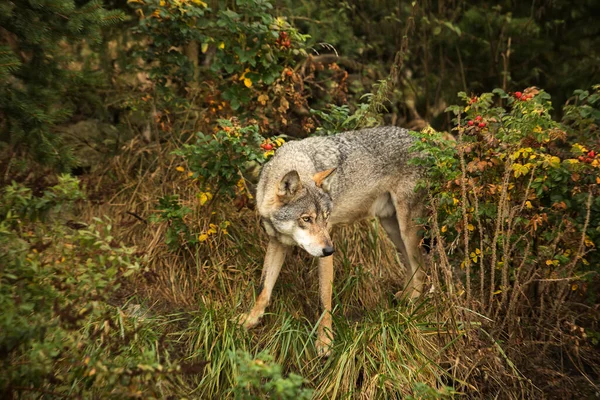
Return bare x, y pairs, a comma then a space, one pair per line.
315, 183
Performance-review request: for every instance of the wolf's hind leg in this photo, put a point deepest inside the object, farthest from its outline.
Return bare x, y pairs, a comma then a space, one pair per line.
274, 258
405, 214
390, 225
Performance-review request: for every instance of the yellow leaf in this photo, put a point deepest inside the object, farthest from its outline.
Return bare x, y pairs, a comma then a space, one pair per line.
200, 3
222, 45
203, 237
574, 286
444, 228
204, 47
598, 180
455, 201
528, 204
225, 231
180, 169
247, 82
204, 197
279, 141
498, 291
588, 242
190, 174
549, 262
263, 98
269, 153
470, 227
162, 3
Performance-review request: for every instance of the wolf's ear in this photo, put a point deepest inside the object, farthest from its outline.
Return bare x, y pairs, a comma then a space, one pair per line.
323, 179
289, 186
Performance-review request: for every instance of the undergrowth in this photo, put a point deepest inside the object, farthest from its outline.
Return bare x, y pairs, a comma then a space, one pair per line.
110, 308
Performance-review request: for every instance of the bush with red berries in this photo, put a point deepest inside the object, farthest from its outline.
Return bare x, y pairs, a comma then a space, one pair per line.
516, 201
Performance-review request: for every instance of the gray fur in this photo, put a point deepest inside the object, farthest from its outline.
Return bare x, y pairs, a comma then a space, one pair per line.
368, 162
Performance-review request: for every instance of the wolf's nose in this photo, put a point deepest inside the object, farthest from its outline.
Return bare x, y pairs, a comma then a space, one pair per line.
327, 251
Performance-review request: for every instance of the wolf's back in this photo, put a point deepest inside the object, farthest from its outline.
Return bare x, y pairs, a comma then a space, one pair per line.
361, 158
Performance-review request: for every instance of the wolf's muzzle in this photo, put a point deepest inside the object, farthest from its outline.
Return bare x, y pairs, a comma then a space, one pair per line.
327, 251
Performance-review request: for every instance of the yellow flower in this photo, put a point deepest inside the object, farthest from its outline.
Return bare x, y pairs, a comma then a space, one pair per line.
444, 228
203, 237
470, 227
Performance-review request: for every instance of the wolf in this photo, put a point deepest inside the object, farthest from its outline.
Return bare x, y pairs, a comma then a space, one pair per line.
313, 184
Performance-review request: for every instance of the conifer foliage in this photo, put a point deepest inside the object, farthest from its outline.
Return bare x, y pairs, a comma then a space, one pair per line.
38, 86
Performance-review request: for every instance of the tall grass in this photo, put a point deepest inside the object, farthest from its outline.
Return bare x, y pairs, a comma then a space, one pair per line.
440, 346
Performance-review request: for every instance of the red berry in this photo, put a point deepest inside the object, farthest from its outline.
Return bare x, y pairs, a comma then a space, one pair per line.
471, 123
481, 125
592, 154
581, 158
268, 146
518, 95
478, 118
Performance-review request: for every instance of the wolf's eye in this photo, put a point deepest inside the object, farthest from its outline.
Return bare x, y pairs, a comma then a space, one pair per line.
306, 219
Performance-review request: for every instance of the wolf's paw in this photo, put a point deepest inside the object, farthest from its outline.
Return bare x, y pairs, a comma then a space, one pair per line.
248, 321
323, 345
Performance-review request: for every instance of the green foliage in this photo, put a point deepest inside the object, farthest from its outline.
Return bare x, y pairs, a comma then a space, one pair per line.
38, 87
218, 160
172, 212
261, 378
340, 118
57, 331
518, 193
248, 47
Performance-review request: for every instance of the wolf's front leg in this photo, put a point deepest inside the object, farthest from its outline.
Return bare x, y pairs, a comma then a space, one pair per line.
274, 258
324, 330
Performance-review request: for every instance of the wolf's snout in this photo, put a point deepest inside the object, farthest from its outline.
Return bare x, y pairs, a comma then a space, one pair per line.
327, 251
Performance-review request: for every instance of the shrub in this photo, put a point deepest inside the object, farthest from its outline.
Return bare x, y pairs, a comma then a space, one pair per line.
261, 378
515, 206
58, 333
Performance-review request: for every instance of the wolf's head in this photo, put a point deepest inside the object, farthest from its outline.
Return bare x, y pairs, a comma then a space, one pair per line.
303, 212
